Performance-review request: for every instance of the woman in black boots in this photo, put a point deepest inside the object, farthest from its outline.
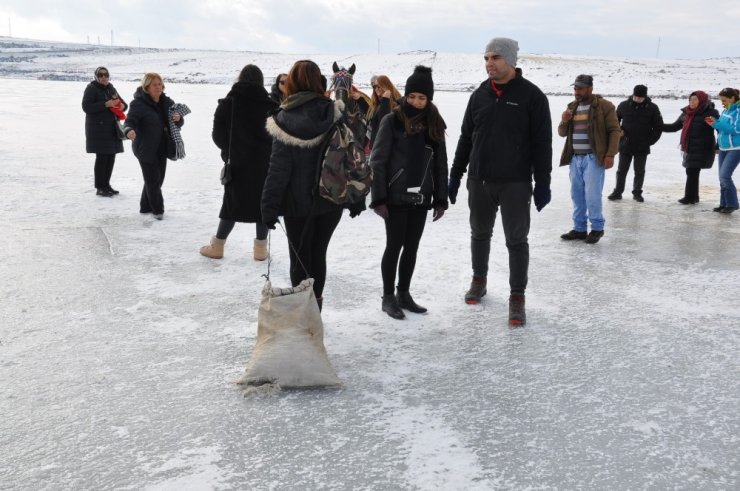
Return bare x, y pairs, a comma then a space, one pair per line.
697, 141
103, 107
239, 131
147, 125
409, 162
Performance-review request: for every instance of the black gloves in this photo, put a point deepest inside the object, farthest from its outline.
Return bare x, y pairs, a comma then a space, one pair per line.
452, 188
356, 208
542, 196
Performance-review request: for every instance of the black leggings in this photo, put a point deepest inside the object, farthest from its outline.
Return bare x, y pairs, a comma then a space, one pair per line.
103, 169
226, 226
311, 246
403, 230
151, 194
692, 184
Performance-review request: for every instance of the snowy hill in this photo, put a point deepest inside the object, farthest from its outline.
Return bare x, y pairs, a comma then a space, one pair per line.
46, 60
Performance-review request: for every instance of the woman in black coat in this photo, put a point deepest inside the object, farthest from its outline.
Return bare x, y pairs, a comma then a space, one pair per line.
291, 188
147, 125
697, 141
409, 162
101, 127
239, 131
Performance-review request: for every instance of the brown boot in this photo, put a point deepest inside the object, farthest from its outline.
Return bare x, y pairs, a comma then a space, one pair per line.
477, 290
517, 314
214, 250
260, 249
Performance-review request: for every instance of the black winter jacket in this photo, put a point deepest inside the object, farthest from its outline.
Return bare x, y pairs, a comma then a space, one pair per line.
701, 143
100, 130
391, 159
149, 120
383, 109
642, 125
250, 149
298, 130
507, 138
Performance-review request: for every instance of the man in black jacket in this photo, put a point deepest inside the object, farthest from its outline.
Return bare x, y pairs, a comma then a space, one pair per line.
641, 124
506, 139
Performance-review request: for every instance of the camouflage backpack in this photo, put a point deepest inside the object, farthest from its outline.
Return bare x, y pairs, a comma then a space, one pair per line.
345, 177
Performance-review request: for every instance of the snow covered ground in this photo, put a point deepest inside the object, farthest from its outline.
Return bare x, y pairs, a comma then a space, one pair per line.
120, 344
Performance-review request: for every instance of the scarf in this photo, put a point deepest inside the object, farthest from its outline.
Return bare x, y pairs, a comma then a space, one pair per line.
181, 109
690, 113
118, 110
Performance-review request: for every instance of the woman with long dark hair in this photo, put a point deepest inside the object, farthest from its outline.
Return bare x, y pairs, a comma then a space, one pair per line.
103, 108
298, 129
409, 162
239, 131
384, 100
728, 140
697, 141
277, 90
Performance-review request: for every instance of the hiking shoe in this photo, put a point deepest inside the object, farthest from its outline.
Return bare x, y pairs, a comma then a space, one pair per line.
718, 209
594, 236
638, 198
727, 210
574, 235
614, 196
688, 201
517, 315
477, 290
391, 307
103, 192
405, 301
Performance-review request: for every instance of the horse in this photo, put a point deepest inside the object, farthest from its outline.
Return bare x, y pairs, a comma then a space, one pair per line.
341, 84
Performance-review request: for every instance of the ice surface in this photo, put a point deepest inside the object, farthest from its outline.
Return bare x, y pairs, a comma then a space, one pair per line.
120, 344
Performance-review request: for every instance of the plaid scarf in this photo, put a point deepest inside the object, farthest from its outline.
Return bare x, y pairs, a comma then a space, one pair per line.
182, 109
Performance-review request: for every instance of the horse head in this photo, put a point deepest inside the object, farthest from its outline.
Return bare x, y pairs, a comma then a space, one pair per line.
341, 81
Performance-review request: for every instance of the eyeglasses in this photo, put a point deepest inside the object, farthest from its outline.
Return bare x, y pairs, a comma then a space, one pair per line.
103, 74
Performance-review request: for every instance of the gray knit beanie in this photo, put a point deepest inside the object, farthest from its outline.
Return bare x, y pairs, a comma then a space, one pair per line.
507, 48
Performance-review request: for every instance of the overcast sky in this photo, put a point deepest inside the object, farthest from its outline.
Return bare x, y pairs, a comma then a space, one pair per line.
631, 28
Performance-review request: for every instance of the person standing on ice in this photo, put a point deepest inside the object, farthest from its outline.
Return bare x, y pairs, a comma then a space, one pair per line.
147, 125
409, 162
239, 131
591, 130
642, 125
506, 139
728, 141
103, 107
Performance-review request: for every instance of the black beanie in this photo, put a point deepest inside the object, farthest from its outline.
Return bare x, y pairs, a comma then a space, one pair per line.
640, 91
420, 81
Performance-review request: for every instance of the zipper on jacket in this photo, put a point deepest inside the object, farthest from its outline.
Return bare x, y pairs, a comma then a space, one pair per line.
395, 176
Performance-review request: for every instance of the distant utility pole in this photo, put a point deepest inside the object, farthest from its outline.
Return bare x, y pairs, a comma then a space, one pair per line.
657, 51
10, 31
378, 45
111, 37
88, 39
98, 40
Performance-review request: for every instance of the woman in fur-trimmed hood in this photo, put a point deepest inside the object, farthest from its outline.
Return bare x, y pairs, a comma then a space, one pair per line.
298, 129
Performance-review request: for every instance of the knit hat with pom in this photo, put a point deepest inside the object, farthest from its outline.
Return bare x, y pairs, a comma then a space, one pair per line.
420, 81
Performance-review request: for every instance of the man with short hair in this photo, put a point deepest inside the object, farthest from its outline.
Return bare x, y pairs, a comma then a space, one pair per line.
591, 129
506, 138
642, 125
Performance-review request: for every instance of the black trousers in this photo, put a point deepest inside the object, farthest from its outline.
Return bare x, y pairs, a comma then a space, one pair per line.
103, 169
692, 184
226, 226
310, 237
625, 159
513, 198
403, 230
151, 195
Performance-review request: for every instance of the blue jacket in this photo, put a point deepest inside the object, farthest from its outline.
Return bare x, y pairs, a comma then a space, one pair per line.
728, 128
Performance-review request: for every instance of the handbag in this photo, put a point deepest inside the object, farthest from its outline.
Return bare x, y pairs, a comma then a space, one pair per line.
119, 131
226, 169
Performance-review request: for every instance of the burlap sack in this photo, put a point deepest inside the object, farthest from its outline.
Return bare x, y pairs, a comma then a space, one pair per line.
289, 352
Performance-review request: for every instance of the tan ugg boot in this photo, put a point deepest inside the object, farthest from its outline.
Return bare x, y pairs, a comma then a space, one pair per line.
214, 250
260, 249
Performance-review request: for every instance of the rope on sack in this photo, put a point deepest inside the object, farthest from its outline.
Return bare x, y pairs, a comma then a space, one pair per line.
269, 255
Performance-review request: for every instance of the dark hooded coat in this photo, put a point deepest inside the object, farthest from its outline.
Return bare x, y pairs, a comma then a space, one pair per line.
100, 123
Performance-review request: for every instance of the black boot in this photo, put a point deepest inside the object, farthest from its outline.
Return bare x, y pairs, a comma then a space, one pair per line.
406, 302
390, 307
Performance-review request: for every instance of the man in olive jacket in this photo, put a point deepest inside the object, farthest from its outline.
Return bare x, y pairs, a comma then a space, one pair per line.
591, 129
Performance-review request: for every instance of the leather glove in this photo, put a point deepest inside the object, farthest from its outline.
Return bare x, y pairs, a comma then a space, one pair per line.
381, 211
271, 223
356, 208
437, 214
542, 196
452, 188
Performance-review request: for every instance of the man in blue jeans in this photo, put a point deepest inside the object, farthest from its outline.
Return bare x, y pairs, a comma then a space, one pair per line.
591, 129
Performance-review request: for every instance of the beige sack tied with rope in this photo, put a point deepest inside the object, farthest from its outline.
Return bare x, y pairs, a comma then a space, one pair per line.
289, 352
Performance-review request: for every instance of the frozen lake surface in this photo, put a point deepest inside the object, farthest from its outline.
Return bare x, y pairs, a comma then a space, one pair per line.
120, 344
